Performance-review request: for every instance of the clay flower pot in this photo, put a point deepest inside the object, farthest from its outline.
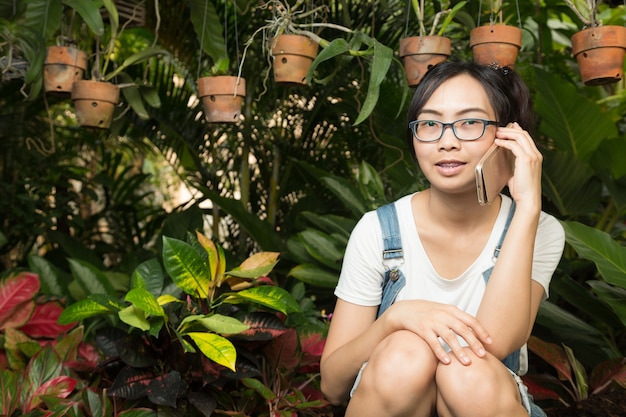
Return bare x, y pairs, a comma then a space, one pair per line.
63, 66
94, 102
420, 53
222, 97
293, 56
600, 52
496, 44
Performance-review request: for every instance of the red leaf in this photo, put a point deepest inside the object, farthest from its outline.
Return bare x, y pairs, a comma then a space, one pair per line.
43, 322
15, 291
605, 372
553, 354
59, 387
281, 352
21, 314
540, 392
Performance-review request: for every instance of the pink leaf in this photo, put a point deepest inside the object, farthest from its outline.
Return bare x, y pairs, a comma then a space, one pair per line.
43, 322
605, 372
21, 314
59, 387
553, 354
15, 291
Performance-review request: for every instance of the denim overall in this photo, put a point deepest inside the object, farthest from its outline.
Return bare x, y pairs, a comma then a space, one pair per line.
394, 279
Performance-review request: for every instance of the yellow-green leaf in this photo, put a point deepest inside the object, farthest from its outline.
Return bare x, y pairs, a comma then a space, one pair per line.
217, 348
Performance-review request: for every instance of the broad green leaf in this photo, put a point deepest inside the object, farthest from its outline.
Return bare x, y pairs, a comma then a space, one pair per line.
575, 124
53, 280
215, 255
91, 280
81, 310
149, 275
598, 246
370, 182
258, 265
144, 300
269, 296
134, 317
314, 275
133, 96
208, 27
222, 324
186, 267
322, 247
380, 65
346, 192
570, 183
217, 348
10, 386
89, 10
611, 155
615, 297
114, 17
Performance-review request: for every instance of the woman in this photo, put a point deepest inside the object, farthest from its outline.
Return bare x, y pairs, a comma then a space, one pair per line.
438, 349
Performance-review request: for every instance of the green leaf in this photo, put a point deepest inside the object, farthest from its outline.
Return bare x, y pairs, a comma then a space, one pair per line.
134, 317
380, 65
258, 386
575, 124
598, 246
53, 280
136, 58
322, 247
273, 297
208, 27
144, 300
218, 323
335, 48
83, 309
314, 275
91, 280
186, 267
149, 275
580, 375
217, 348
89, 10
615, 297
569, 183
346, 192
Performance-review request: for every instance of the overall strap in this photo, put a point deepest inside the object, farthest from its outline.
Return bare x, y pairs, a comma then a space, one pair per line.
392, 250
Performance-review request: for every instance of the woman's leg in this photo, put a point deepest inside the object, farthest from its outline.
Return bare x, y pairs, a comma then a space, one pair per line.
399, 379
484, 388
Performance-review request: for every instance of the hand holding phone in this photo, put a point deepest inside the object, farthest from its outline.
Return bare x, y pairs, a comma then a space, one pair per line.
493, 172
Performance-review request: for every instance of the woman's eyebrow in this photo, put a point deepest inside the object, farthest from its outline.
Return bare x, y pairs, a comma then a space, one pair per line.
458, 113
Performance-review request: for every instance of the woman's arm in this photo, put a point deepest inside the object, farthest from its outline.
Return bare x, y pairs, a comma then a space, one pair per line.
511, 301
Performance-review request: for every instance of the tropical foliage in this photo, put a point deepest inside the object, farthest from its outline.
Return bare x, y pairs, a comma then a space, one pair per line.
98, 215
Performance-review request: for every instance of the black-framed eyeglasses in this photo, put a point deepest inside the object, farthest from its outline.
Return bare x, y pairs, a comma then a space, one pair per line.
463, 129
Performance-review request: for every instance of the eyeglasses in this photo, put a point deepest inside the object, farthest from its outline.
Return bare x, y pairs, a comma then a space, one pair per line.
463, 129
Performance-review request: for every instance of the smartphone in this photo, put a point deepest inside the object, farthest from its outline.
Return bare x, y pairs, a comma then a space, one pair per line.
493, 172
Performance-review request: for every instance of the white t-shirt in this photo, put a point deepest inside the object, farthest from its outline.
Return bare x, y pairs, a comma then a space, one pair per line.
362, 272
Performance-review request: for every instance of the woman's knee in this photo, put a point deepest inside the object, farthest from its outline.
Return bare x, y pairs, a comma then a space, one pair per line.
485, 383
401, 364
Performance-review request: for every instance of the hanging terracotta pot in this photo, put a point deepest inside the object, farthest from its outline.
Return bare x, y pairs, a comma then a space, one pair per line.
420, 53
94, 102
293, 56
222, 97
63, 66
600, 52
496, 44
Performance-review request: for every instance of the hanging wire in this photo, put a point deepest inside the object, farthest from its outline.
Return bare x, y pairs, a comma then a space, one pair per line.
206, 6
408, 10
519, 15
480, 10
237, 32
226, 27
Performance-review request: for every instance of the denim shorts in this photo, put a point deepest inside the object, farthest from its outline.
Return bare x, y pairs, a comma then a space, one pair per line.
527, 399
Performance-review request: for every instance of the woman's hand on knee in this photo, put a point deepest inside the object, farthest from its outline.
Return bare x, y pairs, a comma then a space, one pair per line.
435, 322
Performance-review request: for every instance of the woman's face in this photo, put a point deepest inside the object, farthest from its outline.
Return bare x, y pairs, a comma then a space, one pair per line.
449, 163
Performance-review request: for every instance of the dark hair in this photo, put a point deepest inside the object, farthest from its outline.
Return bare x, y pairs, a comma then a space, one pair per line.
506, 91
